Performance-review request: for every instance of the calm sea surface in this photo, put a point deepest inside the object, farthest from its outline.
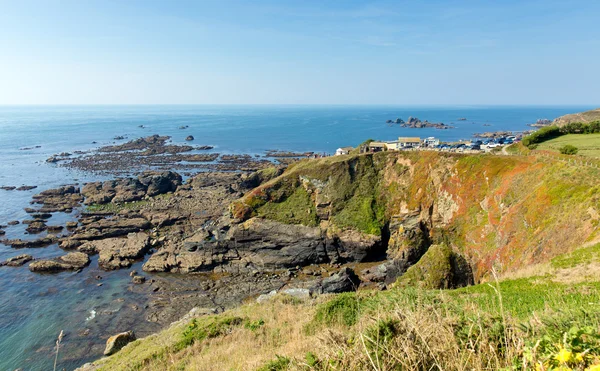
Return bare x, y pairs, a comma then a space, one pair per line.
35, 308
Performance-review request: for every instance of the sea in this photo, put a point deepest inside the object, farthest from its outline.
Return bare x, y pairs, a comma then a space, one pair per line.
35, 308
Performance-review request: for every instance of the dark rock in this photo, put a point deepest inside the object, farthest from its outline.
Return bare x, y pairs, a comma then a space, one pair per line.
55, 228
160, 182
41, 242
8, 188
189, 138
26, 188
36, 227
13, 222
343, 281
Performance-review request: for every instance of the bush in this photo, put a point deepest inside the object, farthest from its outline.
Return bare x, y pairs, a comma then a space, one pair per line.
568, 150
542, 135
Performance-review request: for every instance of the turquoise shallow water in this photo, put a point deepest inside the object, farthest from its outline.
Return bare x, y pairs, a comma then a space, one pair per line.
34, 308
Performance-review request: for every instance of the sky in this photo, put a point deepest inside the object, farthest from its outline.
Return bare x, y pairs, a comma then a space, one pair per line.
434, 52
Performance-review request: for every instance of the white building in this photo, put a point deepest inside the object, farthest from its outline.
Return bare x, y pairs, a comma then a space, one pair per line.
431, 142
343, 151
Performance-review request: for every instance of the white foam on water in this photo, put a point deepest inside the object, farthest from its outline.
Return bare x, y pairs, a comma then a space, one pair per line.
92, 315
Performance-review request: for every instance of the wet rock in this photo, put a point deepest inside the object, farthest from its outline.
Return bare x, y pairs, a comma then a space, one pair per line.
189, 138
54, 228
41, 242
8, 188
13, 222
17, 261
116, 342
2, 232
71, 261
41, 215
36, 227
26, 188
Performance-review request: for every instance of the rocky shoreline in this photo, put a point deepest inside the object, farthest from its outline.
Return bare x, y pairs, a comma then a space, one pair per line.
193, 254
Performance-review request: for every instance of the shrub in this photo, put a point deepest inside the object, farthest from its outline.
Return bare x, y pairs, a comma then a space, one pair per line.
568, 150
254, 325
542, 135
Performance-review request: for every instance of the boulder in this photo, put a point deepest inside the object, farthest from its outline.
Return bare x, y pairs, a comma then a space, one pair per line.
160, 182
189, 138
118, 341
343, 281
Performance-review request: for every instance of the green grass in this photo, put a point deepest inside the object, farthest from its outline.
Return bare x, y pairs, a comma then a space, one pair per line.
581, 256
298, 208
587, 144
510, 317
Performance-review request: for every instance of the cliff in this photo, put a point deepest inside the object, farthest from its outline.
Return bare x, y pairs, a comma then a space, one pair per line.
585, 117
501, 212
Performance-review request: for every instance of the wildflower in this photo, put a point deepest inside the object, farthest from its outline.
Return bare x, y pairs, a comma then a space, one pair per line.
564, 356
579, 357
593, 368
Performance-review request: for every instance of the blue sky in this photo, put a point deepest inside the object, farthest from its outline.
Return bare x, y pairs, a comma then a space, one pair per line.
540, 52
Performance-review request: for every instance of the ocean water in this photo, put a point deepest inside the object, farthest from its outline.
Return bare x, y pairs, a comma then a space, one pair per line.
35, 308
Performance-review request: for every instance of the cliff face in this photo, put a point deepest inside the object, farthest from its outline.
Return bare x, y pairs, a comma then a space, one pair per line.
585, 117
501, 212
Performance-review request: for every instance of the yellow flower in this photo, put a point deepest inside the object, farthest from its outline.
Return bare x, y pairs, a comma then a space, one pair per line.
593, 368
564, 356
579, 357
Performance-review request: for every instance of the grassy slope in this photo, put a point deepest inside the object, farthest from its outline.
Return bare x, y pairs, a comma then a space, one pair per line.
588, 144
587, 116
480, 327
